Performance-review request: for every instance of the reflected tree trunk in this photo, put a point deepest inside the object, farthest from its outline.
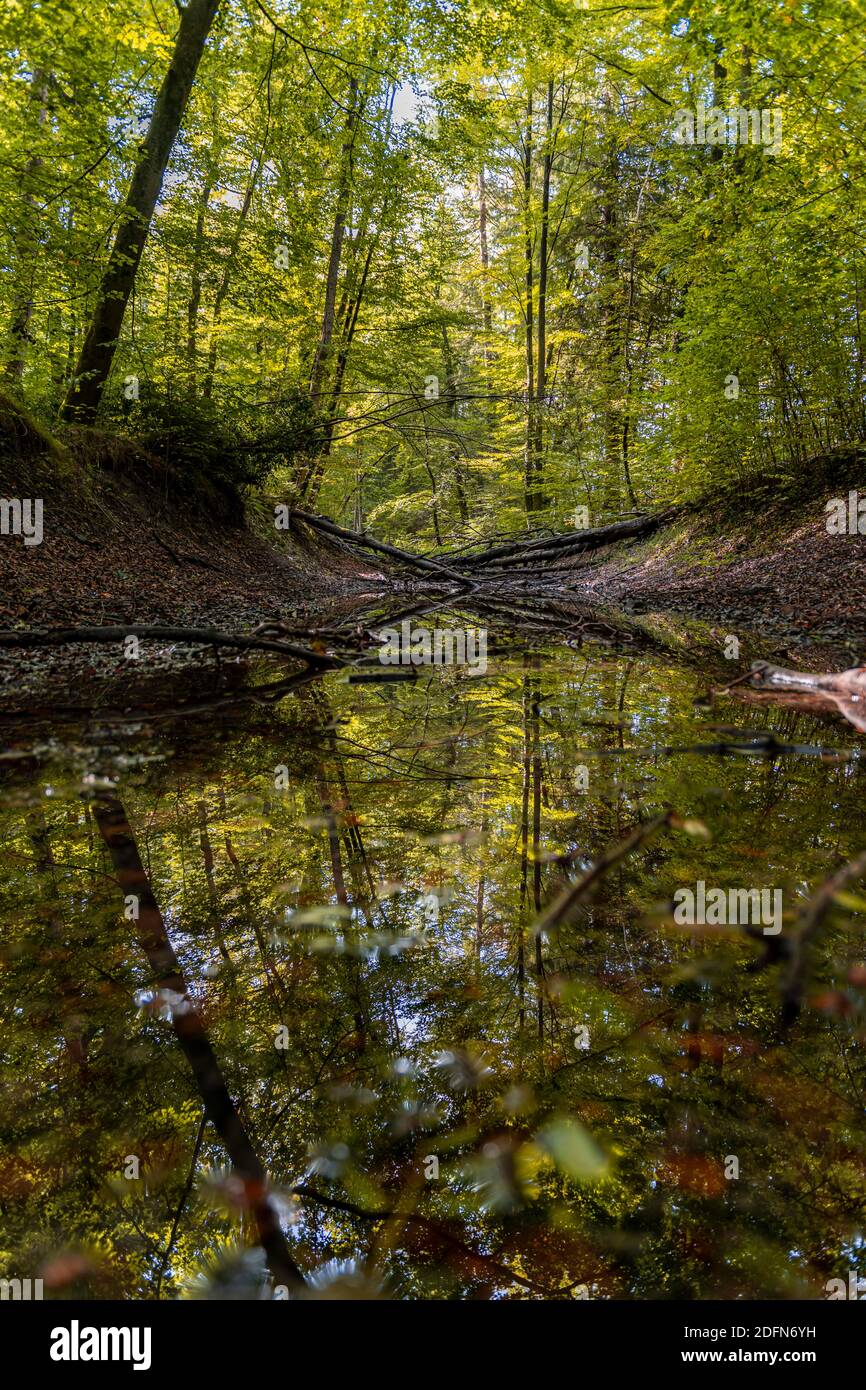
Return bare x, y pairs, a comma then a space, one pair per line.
113, 824
213, 896
72, 1012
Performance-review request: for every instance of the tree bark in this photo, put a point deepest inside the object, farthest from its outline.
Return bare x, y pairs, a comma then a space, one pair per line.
534, 724
194, 305
528, 311
486, 310
100, 345
312, 481
225, 282
523, 909
367, 542
541, 370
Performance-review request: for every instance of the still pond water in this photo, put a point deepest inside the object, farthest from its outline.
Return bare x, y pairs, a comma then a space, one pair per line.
346, 880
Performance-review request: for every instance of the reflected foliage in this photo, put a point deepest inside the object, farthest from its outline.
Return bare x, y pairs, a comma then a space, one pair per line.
448, 1104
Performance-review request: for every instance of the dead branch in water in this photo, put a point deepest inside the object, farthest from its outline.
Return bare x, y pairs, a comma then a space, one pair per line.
205, 636
850, 684
572, 895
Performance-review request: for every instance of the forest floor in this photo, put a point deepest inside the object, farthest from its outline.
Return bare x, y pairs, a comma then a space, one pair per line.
118, 551
126, 559
782, 575
123, 556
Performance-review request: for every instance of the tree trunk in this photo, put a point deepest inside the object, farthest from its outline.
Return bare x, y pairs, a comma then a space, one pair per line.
611, 336
195, 288
311, 481
111, 818
328, 315
541, 372
523, 908
97, 354
528, 311
225, 282
213, 896
486, 311
26, 246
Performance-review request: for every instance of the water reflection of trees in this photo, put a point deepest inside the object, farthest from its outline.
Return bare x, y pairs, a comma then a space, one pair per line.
448, 1104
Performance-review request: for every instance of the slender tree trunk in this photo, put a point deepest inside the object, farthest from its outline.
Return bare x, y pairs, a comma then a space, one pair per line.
213, 896
195, 288
479, 895
333, 838
486, 310
450, 398
111, 819
323, 349
97, 354
536, 848
311, 481
523, 908
611, 327
434, 506
629, 376
528, 311
541, 373
26, 247
225, 282
63, 947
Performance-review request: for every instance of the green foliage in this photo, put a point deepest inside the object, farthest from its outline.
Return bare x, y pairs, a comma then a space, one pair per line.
207, 454
670, 269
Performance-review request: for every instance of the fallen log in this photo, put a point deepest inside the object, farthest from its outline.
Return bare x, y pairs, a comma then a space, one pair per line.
850, 684
591, 539
330, 528
206, 636
509, 564
844, 691
513, 575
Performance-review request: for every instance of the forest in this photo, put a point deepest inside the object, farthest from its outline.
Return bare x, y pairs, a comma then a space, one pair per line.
434, 267
432, 642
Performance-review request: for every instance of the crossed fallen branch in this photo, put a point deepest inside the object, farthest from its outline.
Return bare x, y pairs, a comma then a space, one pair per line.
498, 564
